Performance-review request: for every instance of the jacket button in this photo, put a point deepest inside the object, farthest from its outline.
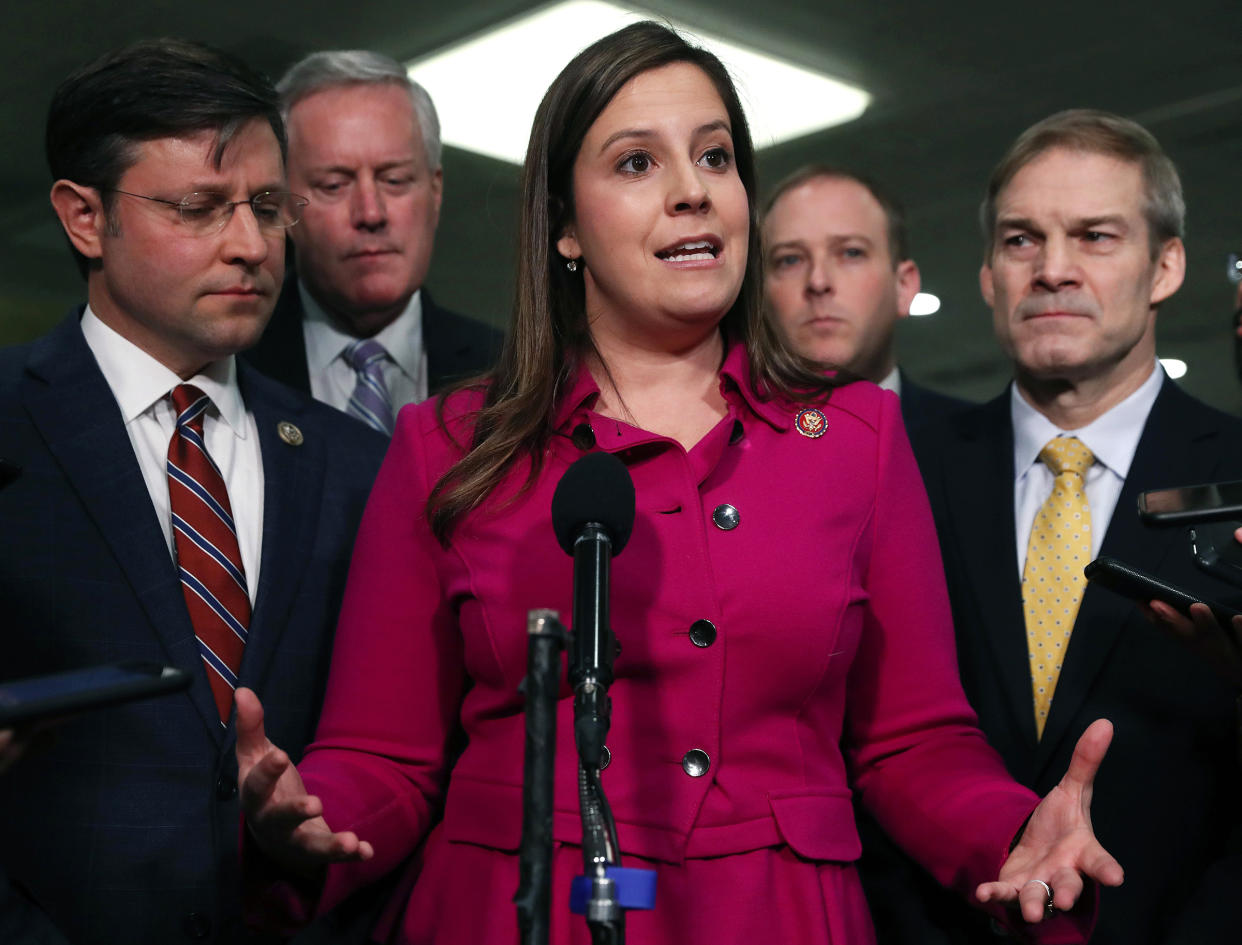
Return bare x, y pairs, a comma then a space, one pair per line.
226, 788
726, 517
695, 762
702, 633
197, 925
605, 758
583, 437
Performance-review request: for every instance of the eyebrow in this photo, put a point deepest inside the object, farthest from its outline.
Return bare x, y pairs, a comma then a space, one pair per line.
1107, 219
834, 239
1079, 223
221, 187
644, 133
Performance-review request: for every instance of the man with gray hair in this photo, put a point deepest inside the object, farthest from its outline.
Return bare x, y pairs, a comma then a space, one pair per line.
1082, 226
354, 326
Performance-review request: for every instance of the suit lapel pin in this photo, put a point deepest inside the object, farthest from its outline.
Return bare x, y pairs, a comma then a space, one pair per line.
290, 433
811, 422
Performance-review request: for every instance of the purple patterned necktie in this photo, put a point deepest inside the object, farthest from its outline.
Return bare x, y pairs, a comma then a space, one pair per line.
369, 402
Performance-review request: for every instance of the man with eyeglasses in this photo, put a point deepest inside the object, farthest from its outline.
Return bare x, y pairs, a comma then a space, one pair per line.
170, 504
354, 325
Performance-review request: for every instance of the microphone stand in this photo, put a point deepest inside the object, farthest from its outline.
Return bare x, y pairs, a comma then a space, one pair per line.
547, 638
592, 515
590, 674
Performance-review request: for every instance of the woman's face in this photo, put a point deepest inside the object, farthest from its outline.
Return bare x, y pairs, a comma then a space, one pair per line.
661, 217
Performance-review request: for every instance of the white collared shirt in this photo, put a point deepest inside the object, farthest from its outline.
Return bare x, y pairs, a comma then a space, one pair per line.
332, 380
1112, 438
141, 385
891, 381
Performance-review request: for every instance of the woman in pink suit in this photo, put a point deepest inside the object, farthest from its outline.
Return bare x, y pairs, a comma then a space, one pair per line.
785, 630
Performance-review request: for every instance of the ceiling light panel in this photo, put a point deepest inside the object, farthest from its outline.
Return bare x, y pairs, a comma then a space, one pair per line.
487, 88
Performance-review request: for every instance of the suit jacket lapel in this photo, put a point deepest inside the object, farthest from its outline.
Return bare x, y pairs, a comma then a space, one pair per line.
444, 348
1171, 452
979, 484
293, 466
71, 405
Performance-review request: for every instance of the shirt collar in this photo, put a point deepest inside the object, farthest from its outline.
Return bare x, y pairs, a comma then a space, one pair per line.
138, 381
734, 380
401, 338
891, 381
1112, 438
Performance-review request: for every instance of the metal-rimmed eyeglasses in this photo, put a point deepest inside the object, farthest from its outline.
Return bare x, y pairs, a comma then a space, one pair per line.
205, 213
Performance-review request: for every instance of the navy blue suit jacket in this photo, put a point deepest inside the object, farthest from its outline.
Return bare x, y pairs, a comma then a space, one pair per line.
456, 346
126, 829
1168, 795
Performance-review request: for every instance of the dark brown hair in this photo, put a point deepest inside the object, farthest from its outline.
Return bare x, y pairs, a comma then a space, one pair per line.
155, 88
549, 337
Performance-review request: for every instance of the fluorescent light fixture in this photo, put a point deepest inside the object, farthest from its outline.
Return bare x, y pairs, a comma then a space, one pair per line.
924, 303
1174, 367
487, 88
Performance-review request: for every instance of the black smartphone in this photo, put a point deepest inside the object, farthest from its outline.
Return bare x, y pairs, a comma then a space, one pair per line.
1216, 551
44, 698
1140, 586
1188, 505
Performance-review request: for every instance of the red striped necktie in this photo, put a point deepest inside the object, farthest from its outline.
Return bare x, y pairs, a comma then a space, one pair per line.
212, 577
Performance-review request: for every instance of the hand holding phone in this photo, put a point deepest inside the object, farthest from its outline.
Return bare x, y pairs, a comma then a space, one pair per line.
1209, 629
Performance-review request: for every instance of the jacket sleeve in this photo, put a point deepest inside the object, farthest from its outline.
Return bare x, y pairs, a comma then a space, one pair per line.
918, 759
380, 756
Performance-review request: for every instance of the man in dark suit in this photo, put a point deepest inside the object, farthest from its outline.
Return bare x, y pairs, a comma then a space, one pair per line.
839, 278
354, 326
1082, 224
171, 504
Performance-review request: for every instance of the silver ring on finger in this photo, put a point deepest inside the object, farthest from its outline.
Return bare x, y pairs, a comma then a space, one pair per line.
1047, 893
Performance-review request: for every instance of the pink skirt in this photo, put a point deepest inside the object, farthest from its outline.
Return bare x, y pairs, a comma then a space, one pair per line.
464, 896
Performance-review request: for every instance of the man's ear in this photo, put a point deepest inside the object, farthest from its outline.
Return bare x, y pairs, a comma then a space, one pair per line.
437, 192
1170, 270
81, 213
908, 284
985, 284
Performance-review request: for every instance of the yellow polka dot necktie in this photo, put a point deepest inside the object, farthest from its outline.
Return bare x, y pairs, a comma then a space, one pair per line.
1052, 579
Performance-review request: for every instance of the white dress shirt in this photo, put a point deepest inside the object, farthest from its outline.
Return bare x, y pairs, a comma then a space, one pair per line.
891, 381
141, 385
332, 380
1112, 438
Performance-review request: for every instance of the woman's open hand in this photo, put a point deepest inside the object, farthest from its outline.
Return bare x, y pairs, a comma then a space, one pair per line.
1058, 846
283, 818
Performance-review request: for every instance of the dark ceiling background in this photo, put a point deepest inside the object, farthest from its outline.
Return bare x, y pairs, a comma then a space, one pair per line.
953, 83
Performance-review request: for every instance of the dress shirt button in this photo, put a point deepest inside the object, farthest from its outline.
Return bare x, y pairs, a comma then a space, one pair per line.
583, 437
605, 758
702, 633
226, 788
695, 762
197, 925
726, 517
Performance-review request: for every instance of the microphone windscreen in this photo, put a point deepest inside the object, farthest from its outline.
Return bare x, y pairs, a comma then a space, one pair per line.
596, 488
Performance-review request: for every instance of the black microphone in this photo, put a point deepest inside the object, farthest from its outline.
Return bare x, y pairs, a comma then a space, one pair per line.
593, 516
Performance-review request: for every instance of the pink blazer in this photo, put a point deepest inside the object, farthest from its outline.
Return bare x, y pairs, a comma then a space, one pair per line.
830, 666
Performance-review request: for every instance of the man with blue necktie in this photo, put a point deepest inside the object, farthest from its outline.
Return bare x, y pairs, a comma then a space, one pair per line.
354, 325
